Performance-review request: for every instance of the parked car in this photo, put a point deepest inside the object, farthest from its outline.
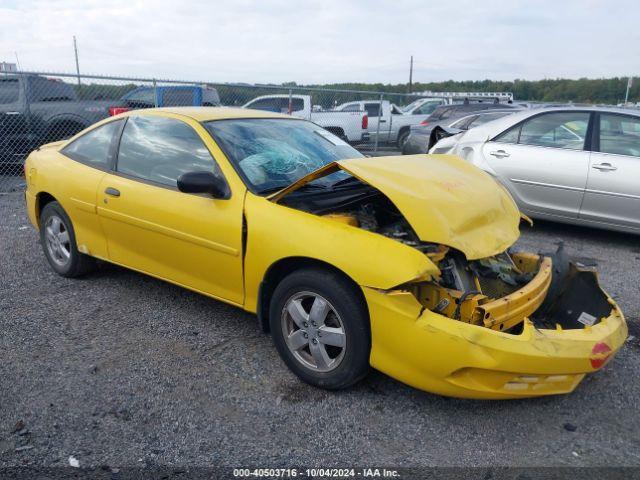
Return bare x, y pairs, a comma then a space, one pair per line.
422, 106
422, 138
350, 126
389, 121
168, 96
572, 165
419, 134
402, 263
35, 109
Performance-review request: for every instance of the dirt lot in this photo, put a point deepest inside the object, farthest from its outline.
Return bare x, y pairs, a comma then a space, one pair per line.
120, 369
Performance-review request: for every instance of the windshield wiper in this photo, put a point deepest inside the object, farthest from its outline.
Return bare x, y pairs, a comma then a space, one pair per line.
345, 182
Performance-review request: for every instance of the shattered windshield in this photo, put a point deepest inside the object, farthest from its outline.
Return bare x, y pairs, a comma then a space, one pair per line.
273, 153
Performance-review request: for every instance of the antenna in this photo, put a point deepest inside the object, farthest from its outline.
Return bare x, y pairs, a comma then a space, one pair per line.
75, 48
17, 61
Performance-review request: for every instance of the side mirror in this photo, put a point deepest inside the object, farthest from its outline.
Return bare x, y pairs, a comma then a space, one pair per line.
203, 182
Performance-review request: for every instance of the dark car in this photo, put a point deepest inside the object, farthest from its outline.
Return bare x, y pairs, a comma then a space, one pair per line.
36, 110
461, 117
170, 96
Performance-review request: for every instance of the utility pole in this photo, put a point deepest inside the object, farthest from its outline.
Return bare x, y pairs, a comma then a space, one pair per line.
626, 95
411, 74
75, 48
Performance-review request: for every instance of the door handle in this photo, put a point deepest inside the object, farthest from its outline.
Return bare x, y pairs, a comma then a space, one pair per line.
500, 154
604, 167
383, 121
112, 191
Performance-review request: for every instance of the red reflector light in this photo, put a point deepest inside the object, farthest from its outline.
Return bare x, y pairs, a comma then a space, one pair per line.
600, 354
365, 122
424, 122
117, 110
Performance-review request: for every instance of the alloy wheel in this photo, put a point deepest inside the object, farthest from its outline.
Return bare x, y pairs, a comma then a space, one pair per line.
313, 331
57, 240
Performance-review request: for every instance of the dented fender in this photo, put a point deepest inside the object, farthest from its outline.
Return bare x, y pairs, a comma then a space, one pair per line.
277, 232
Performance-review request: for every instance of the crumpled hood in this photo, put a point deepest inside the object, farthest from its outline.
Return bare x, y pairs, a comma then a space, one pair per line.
445, 199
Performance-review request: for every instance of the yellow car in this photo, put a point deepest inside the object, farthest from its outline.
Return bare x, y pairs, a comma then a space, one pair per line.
401, 263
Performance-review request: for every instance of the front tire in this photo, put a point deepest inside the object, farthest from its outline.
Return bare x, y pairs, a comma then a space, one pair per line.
58, 241
320, 327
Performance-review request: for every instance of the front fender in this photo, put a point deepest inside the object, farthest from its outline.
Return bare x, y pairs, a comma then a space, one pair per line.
276, 232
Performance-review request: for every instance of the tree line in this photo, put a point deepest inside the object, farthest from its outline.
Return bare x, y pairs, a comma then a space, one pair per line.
584, 90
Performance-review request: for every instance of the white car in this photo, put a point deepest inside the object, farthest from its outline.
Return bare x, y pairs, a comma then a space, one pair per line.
390, 122
350, 126
573, 165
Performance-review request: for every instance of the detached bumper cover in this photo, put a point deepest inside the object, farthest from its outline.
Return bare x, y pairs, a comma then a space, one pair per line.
435, 353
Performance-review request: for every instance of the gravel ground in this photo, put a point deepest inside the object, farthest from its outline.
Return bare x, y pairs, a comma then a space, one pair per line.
120, 369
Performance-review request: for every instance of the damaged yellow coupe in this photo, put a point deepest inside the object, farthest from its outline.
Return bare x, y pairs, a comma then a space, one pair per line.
404, 263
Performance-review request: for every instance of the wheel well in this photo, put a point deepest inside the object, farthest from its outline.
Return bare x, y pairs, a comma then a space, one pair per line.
402, 131
279, 270
42, 199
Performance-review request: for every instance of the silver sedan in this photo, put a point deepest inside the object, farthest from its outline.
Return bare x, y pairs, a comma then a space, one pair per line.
573, 165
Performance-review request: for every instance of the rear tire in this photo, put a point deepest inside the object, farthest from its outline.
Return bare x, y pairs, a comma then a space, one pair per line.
58, 241
320, 327
402, 139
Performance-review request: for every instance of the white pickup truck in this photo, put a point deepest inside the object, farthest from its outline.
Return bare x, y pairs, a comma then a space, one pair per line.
350, 126
394, 121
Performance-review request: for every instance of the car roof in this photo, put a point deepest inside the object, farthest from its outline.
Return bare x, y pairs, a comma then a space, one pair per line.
500, 124
205, 114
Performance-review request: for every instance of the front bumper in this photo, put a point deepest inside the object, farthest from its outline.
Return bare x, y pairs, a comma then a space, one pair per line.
449, 357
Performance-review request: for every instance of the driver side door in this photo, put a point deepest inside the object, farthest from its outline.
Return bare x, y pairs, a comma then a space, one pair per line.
192, 240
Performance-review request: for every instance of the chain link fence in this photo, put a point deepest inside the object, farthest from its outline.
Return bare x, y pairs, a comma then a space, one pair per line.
38, 108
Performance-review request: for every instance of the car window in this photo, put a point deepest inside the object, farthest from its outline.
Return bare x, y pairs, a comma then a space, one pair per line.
9, 90
557, 129
161, 149
437, 113
144, 97
352, 107
620, 134
297, 104
509, 136
426, 109
267, 104
486, 117
373, 109
94, 147
50, 90
273, 153
463, 123
172, 97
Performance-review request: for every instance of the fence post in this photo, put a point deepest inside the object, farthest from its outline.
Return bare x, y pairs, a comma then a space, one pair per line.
375, 147
155, 94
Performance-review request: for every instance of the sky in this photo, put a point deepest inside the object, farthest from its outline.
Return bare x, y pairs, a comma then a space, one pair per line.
325, 41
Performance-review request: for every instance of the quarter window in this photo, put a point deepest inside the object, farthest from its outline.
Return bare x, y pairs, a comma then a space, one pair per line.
558, 129
510, 136
161, 149
94, 147
620, 134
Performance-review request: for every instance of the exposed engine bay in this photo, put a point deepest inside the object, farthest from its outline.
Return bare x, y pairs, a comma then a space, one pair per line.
498, 292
